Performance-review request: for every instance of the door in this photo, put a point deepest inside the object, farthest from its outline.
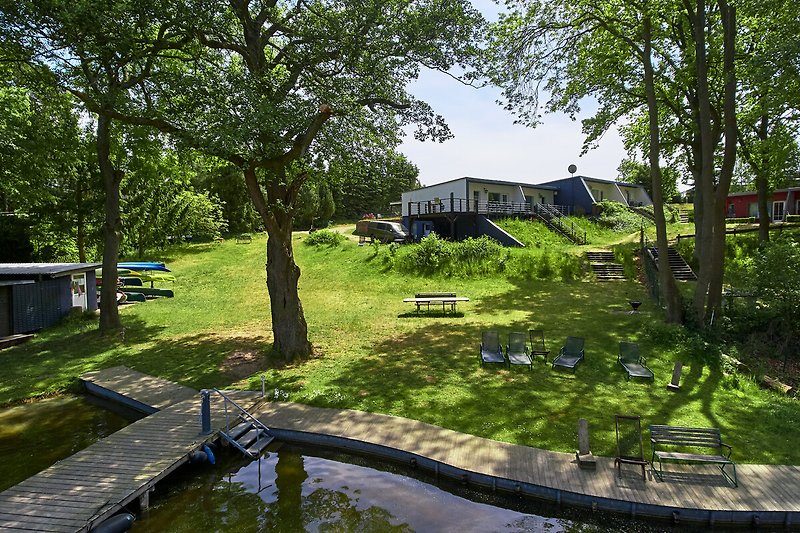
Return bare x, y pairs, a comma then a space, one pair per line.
5, 311
79, 291
777, 211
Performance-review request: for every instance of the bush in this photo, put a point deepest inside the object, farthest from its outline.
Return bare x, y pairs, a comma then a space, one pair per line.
619, 218
434, 255
324, 238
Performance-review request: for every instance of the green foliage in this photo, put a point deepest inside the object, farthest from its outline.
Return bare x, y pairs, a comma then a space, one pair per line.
631, 171
433, 255
224, 181
532, 234
376, 359
619, 218
369, 184
324, 237
775, 278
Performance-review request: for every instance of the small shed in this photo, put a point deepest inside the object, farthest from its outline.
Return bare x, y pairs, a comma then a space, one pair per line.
37, 295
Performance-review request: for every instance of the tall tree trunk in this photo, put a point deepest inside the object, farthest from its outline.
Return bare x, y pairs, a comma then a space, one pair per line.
668, 287
705, 187
762, 178
289, 327
112, 228
728, 15
80, 221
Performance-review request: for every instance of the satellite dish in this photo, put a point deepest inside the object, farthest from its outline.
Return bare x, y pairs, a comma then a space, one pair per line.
572, 169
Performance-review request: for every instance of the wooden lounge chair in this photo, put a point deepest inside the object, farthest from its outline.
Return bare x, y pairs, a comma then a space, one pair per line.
632, 362
537, 344
491, 350
629, 443
570, 354
517, 350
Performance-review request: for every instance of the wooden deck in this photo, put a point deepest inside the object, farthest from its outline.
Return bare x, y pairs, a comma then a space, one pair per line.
81, 491
144, 392
698, 493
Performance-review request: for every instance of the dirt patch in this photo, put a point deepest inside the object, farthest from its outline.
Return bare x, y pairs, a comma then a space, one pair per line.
243, 363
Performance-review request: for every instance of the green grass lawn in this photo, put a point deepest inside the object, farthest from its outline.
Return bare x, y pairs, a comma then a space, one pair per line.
373, 354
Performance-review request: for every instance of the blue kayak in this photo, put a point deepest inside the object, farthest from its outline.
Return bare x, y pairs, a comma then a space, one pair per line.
144, 265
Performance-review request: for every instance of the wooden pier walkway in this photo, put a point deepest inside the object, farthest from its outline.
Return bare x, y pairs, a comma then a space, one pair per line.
81, 491
767, 494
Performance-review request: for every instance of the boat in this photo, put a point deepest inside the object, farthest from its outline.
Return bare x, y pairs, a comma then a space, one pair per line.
143, 266
134, 296
150, 291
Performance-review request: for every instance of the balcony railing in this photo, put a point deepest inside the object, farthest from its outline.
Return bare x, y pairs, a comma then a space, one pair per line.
483, 207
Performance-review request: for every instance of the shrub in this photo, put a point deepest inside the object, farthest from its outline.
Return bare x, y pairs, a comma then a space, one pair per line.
618, 217
324, 238
434, 255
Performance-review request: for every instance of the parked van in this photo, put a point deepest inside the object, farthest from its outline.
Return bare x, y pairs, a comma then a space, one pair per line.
383, 231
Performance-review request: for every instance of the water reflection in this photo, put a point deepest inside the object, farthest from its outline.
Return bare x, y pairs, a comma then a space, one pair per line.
33, 436
295, 490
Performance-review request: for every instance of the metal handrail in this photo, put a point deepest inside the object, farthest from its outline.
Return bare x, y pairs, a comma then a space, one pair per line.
242, 411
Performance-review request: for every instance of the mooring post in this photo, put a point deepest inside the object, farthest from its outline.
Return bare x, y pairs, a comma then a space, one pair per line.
205, 412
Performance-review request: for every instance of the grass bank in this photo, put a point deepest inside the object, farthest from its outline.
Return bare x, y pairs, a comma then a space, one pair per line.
374, 354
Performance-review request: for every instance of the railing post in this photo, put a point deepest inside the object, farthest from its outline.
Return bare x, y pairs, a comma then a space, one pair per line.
205, 412
451, 202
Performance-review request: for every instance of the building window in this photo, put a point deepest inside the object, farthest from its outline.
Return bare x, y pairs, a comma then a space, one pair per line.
777, 211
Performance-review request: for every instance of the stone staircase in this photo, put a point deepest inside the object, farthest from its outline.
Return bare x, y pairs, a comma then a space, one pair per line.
604, 266
680, 269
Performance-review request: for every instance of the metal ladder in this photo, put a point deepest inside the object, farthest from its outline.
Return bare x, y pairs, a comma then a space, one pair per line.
243, 431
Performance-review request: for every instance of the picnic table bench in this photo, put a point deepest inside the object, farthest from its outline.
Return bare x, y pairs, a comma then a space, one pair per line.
428, 298
688, 437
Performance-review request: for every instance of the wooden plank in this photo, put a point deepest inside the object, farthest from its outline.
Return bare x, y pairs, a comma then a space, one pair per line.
92, 483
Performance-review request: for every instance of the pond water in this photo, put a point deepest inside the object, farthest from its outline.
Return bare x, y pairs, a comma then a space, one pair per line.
33, 436
296, 489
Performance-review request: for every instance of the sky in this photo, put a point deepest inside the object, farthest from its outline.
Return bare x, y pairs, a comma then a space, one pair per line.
487, 143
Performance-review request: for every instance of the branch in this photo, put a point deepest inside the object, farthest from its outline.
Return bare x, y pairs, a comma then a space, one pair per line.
302, 141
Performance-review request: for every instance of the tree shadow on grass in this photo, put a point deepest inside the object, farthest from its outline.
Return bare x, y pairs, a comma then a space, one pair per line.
53, 361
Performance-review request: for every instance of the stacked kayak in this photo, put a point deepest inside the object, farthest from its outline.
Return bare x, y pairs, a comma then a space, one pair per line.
131, 279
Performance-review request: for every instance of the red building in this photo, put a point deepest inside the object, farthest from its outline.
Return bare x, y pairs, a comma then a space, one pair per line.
783, 202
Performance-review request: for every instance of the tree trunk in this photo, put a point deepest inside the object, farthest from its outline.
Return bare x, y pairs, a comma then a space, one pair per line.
705, 187
289, 328
668, 287
728, 15
80, 221
762, 179
112, 228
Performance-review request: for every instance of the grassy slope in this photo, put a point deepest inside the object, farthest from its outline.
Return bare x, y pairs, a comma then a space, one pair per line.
372, 356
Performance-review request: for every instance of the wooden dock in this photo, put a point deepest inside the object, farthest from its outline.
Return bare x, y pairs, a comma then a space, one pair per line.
767, 494
81, 491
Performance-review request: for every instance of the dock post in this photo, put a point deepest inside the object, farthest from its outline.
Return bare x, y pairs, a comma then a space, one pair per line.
205, 412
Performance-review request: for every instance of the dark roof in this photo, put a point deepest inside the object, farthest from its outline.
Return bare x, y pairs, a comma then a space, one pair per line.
52, 270
7, 282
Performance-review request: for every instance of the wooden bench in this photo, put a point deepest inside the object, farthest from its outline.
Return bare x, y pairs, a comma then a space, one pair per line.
244, 238
687, 437
444, 298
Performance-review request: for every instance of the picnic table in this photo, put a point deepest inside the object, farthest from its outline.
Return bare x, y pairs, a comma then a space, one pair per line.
445, 299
